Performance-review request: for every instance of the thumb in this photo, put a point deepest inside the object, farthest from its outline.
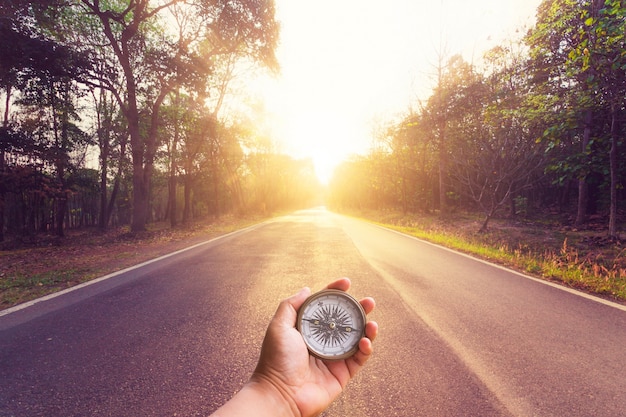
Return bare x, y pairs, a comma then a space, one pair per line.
288, 309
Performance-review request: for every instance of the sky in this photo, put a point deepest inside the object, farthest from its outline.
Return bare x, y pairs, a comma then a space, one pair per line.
348, 66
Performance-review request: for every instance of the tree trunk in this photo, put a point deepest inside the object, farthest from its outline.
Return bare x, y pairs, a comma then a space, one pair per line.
143, 164
2, 196
488, 216
443, 208
172, 167
140, 194
104, 164
583, 198
614, 177
172, 200
583, 189
60, 214
513, 207
187, 199
5, 124
104, 129
216, 192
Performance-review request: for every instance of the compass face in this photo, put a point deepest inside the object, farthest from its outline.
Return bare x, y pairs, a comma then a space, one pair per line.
332, 323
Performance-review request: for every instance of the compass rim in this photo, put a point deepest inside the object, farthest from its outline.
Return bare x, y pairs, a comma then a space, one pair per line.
314, 297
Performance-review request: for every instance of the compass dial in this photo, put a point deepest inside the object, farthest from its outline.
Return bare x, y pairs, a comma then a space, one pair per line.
332, 323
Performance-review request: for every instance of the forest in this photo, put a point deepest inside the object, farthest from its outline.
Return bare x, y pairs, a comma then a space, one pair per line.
114, 114
536, 128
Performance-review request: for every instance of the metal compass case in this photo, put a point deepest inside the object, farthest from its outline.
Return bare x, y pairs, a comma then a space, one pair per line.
332, 323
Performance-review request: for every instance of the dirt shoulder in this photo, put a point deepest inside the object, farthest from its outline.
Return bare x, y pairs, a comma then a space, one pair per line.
37, 268
580, 258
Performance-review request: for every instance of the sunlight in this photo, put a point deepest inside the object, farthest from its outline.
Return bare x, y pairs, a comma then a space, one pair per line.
346, 64
310, 126
325, 165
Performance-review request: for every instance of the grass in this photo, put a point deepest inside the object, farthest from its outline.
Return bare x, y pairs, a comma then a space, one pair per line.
577, 258
50, 265
13, 287
544, 250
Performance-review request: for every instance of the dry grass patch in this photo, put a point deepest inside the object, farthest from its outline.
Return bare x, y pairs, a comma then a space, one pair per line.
583, 259
29, 271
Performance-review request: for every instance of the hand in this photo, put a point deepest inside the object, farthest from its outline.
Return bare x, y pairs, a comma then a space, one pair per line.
306, 383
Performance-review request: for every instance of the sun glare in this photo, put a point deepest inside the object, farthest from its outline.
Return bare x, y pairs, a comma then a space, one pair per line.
345, 64
325, 165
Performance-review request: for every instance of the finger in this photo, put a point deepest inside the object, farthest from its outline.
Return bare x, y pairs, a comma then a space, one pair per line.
358, 360
371, 330
342, 284
366, 347
368, 304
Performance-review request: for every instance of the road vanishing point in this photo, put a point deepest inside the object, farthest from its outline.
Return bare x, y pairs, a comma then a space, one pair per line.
177, 336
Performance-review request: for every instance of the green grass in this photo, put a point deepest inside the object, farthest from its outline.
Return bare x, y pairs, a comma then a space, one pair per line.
33, 271
15, 286
38, 280
565, 265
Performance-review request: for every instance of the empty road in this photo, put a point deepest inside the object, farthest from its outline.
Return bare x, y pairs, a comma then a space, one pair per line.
178, 336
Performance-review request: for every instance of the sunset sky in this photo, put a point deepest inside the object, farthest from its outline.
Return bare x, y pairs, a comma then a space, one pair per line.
348, 65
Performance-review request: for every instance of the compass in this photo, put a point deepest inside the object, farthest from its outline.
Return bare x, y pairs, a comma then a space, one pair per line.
332, 323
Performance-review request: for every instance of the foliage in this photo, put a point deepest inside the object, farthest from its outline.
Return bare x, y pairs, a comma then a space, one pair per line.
535, 126
543, 252
145, 82
535, 121
31, 271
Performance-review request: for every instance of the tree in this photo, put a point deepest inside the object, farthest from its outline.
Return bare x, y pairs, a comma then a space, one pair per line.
443, 113
112, 140
46, 72
224, 164
354, 184
438, 115
395, 156
422, 153
21, 51
495, 154
576, 51
555, 36
155, 62
212, 139
602, 58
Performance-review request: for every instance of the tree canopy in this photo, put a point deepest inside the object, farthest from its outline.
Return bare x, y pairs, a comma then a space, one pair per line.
538, 119
140, 83
113, 113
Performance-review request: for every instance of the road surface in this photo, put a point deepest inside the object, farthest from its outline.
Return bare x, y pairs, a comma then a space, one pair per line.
178, 336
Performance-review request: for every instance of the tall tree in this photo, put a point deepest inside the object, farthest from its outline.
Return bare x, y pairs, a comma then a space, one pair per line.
552, 41
21, 51
46, 72
439, 120
577, 53
495, 153
53, 120
112, 140
440, 114
601, 57
154, 62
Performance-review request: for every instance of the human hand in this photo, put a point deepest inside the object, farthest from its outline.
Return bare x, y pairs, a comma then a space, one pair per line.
306, 383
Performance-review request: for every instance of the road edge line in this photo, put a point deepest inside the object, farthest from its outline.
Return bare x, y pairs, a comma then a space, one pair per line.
53, 295
552, 284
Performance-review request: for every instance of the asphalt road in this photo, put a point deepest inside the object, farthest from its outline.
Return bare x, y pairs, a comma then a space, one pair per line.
177, 337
